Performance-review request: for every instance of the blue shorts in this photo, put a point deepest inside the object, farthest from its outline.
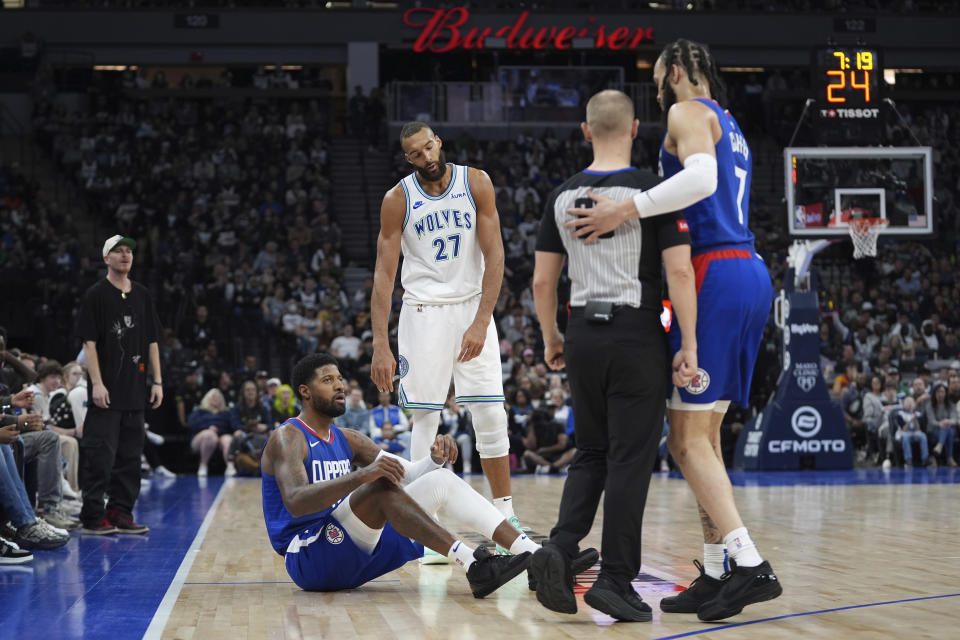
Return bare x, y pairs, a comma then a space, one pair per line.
733, 304
326, 559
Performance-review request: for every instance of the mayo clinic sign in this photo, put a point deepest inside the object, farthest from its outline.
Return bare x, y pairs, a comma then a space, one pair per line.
445, 30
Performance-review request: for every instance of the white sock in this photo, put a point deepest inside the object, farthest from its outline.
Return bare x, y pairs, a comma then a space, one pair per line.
425, 425
505, 506
714, 559
461, 554
523, 543
742, 549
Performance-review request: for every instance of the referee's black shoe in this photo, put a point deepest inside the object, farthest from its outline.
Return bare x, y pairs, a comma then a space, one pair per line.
488, 573
617, 602
584, 560
741, 586
702, 589
550, 569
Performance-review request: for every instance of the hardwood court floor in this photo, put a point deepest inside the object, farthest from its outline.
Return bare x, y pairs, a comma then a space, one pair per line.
856, 561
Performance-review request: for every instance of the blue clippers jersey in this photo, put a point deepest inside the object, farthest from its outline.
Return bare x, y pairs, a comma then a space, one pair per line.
720, 219
326, 460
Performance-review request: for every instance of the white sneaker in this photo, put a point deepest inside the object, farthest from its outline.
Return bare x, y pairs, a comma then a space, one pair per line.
67, 491
163, 472
542, 470
202, 471
154, 438
886, 464
664, 465
231, 470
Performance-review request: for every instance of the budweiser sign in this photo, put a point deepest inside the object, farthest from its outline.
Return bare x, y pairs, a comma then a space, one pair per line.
443, 30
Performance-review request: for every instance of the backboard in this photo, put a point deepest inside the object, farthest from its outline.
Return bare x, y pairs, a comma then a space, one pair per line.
826, 186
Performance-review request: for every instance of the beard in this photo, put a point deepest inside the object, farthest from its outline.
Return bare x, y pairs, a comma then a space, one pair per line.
329, 408
669, 99
437, 175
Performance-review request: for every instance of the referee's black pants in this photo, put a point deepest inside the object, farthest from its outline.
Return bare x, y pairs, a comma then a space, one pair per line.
110, 462
618, 375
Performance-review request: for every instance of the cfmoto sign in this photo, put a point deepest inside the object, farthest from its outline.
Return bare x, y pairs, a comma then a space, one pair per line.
806, 422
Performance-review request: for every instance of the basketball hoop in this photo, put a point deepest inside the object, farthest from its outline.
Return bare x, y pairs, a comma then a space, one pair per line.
864, 233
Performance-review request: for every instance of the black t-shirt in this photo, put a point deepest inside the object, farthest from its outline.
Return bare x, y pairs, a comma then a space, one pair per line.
123, 328
623, 267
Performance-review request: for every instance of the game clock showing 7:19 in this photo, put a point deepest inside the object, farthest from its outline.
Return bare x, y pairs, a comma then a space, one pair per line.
848, 82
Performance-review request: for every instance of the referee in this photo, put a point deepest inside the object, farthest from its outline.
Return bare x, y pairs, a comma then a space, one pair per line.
617, 360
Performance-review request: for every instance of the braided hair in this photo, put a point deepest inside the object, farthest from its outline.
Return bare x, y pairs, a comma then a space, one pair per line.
697, 62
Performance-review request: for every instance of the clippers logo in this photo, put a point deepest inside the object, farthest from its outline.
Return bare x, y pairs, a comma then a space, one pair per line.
683, 226
403, 366
333, 534
806, 422
699, 383
416, 205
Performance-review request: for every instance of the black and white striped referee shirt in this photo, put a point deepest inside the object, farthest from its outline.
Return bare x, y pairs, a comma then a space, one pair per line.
623, 267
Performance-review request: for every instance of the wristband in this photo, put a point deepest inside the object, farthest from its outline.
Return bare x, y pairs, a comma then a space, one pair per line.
157, 384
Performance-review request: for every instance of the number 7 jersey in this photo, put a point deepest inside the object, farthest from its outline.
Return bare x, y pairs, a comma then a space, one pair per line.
720, 220
442, 260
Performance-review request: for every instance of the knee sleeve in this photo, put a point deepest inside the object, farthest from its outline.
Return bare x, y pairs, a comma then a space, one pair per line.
490, 425
425, 424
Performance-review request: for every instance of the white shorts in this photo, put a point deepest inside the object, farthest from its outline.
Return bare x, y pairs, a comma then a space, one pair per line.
429, 338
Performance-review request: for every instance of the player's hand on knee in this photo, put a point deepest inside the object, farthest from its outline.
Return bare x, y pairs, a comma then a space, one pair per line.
472, 343
384, 467
444, 450
382, 368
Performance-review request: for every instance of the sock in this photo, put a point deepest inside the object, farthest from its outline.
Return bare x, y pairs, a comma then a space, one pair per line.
714, 559
505, 506
742, 549
523, 543
461, 554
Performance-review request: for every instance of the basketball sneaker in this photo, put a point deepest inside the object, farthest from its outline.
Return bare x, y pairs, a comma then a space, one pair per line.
622, 604
702, 589
125, 523
584, 560
10, 553
488, 573
741, 586
515, 523
550, 569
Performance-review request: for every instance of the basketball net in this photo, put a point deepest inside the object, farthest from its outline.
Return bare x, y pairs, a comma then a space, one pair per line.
864, 233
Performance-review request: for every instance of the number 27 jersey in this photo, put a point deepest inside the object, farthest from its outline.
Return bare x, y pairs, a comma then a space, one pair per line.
720, 220
442, 261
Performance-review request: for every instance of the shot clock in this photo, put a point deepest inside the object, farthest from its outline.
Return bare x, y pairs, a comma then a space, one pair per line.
847, 85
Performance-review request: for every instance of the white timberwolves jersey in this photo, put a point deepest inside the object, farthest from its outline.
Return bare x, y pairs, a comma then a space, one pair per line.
442, 261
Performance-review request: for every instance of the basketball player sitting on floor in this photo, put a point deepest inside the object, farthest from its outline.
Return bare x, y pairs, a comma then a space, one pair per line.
339, 529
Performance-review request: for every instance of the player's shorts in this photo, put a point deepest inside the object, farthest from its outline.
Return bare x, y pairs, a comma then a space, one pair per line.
323, 557
429, 338
733, 304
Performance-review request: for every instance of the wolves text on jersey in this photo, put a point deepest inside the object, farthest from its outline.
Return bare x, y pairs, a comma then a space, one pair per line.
443, 219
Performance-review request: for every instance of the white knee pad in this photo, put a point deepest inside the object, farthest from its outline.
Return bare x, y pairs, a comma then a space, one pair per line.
490, 425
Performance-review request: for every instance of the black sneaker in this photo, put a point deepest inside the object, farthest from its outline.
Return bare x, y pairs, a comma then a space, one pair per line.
584, 560
552, 574
125, 523
488, 573
702, 589
741, 586
10, 553
622, 604
100, 528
